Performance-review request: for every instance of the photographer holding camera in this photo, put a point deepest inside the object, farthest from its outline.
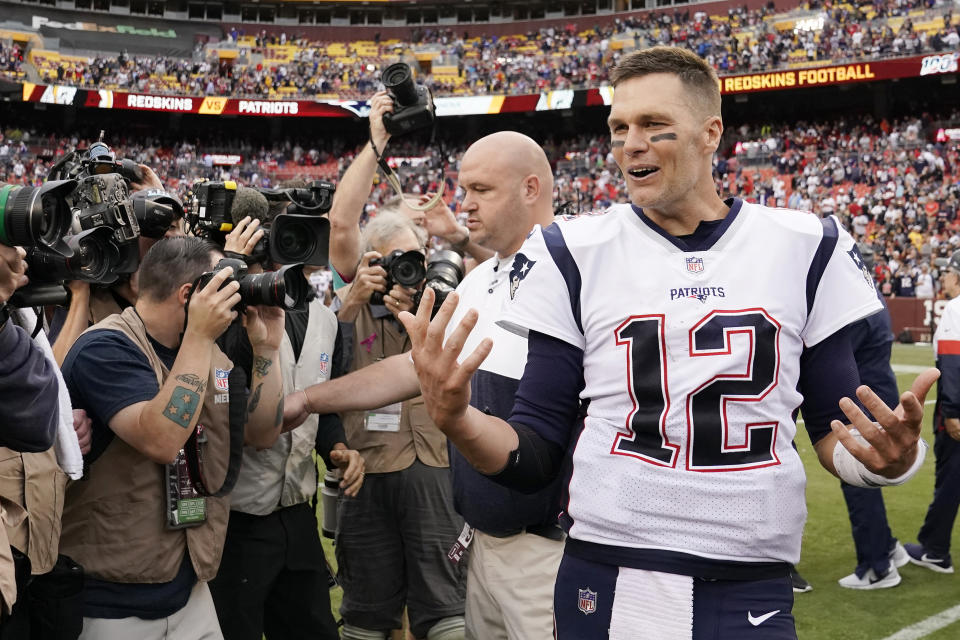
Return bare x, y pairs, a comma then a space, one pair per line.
394, 536
354, 190
273, 576
154, 382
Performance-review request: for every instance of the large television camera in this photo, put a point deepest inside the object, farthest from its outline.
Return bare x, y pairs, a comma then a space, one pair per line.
82, 225
298, 236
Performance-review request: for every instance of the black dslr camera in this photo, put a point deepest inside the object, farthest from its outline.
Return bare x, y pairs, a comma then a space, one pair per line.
412, 103
444, 273
286, 288
405, 268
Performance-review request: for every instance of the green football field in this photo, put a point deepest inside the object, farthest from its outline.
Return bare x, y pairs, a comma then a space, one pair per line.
830, 612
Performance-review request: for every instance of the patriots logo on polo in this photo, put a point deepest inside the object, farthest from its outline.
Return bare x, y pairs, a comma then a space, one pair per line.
854, 254
222, 378
521, 267
324, 363
695, 265
587, 601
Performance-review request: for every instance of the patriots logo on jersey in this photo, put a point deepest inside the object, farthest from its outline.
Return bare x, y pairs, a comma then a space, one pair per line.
854, 254
695, 265
521, 267
586, 601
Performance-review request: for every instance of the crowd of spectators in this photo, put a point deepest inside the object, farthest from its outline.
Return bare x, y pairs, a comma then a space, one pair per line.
11, 59
740, 41
894, 184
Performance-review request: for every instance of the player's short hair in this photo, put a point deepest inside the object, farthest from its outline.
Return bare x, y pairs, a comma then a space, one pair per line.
693, 71
383, 228
171, 263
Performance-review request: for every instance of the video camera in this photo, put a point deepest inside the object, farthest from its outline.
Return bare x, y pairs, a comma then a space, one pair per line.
286, 287
82, 225
412, 103
155, 210
298, 236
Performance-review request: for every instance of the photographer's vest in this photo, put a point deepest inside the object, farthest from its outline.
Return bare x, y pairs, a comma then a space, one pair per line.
286, 474
34, 482
416, 437
102, 304
114, 521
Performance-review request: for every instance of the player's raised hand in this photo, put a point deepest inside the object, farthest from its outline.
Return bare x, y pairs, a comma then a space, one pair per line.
892, 439
444, 383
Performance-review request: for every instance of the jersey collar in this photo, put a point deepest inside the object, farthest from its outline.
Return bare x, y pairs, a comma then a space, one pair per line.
735, 205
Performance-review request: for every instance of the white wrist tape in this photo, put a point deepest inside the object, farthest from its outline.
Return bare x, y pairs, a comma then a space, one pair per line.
852, 471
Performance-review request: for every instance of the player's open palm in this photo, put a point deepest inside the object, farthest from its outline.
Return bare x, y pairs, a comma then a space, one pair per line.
891, 442
444, 383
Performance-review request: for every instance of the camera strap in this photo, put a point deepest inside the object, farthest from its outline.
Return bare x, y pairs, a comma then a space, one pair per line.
394, 180
238, 420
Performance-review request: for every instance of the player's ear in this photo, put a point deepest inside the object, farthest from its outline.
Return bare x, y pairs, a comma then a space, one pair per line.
531, 187
712, 132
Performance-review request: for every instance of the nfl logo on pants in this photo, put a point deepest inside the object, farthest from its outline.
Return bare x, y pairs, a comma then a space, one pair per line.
587, 601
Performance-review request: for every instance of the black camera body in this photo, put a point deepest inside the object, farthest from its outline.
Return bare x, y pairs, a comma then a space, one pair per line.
444, 273
211, 208
412, 103
286, 287
405, 268
104, 201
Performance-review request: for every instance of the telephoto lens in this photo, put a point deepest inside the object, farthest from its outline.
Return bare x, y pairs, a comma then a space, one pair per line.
329, 495
286, 288
36, 216
398, 80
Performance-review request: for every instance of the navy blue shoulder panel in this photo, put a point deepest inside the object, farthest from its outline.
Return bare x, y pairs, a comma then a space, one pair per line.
821, 259
557, 247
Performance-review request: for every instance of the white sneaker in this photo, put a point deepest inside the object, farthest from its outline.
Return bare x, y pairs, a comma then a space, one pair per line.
871, 581
899, 556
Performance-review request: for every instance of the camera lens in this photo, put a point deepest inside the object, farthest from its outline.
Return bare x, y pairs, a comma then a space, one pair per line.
31, 216
95, 259
398, 79
295, 241
408, 269
286, 288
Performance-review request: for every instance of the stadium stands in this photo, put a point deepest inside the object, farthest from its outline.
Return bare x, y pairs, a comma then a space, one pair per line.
739, 41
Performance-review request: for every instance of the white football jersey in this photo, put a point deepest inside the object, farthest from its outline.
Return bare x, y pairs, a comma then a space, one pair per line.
691, 364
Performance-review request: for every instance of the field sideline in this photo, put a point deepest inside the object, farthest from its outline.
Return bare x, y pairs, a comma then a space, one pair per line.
830, 612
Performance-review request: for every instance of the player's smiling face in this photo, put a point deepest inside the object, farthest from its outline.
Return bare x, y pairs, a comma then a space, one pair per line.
663, 142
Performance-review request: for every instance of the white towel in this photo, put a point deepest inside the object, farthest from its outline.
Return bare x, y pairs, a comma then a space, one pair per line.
66, 446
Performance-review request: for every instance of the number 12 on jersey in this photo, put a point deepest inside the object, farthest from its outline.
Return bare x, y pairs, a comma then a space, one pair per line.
708, 441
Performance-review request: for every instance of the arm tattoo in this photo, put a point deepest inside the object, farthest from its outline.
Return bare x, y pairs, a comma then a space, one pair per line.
255, 399
193, 380
279, 420
262, 366
181, 407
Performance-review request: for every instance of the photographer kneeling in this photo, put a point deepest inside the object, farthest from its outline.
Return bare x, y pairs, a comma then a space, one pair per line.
148, 378
394, 536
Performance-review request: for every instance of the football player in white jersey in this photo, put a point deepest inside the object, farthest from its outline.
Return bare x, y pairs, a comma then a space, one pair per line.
670, 342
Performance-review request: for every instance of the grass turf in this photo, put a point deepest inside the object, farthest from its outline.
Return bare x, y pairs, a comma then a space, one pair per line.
830, 612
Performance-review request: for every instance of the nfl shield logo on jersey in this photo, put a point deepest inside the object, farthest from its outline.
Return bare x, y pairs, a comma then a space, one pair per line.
324, 363
223, 383
694, 265
587, 601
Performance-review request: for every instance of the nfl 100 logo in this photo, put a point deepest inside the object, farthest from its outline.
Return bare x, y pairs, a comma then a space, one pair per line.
587, 601
695, 265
